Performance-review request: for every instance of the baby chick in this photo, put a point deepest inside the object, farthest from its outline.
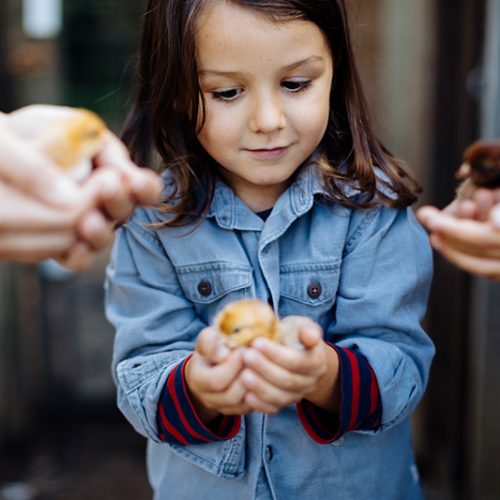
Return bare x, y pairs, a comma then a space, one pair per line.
480, 169
69, 136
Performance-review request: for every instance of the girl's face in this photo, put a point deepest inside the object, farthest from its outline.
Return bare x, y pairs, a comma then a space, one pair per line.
266, 87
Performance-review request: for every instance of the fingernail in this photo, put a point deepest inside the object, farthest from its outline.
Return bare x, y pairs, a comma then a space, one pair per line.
259, 343
139, 183
111, 187
222, 351
248, 376
249, 356
495, 216
64, 191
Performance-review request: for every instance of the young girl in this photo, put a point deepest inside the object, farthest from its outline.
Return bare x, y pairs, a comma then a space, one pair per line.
276, 188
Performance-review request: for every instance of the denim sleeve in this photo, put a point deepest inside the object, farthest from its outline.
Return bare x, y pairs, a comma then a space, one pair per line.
383, 291
156, 327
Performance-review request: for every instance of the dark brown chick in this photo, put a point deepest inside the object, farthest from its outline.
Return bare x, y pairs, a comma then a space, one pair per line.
480, 169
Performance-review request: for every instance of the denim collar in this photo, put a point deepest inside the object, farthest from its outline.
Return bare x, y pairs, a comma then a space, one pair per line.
231, 213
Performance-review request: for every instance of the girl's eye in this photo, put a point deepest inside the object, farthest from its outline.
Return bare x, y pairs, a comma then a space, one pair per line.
226, 95
295, 86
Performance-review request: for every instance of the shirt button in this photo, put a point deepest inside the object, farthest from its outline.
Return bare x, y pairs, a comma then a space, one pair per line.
205, 288
314, 290
269, 453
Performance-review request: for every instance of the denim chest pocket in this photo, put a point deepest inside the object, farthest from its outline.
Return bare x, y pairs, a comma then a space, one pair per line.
211, 285
309, 289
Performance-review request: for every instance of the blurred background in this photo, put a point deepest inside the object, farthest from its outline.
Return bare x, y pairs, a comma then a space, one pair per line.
431, 71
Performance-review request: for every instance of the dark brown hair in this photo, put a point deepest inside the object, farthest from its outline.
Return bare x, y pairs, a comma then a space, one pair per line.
164, 115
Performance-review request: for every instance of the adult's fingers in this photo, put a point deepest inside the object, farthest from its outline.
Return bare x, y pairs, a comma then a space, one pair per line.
33, 173
77, 258
20, 213
484, 200
34, 247
114, 194
484, 267
495, 216
471, 237
145, 185
426, 215
466, 209
95, 230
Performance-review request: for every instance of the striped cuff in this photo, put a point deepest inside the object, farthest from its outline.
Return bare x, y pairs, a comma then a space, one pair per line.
360, 405
177, 420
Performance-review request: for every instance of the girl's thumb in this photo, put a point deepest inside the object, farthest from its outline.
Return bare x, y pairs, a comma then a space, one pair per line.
310, 335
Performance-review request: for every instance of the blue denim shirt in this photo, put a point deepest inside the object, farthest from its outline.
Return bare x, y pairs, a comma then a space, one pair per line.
374, 269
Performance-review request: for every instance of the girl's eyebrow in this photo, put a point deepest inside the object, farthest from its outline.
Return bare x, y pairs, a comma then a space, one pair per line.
295, 65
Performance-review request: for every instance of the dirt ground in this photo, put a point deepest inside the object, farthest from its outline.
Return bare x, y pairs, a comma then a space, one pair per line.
89, 460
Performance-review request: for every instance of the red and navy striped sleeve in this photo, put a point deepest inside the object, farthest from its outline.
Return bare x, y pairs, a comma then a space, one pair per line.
360, 405
177, 420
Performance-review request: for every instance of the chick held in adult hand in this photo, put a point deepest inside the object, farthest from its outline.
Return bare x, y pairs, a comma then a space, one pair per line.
71, 137
480, 169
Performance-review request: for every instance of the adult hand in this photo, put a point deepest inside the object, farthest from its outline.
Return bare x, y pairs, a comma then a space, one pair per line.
467, 233
43, 213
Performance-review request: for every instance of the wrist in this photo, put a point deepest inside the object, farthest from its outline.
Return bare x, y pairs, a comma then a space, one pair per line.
326, 395
204, 413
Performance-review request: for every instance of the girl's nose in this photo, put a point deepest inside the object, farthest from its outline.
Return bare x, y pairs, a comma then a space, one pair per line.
267, 115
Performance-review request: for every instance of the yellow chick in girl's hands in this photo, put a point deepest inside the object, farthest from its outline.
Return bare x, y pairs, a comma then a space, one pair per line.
244, 320
70, 137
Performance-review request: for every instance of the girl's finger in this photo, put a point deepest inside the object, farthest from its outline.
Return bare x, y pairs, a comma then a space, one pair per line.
242, 409
211, 347
217, 378
256, 404
231, 398
266, 392
289, 358
275, 374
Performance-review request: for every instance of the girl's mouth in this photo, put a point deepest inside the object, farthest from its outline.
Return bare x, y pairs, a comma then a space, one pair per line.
268, 153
